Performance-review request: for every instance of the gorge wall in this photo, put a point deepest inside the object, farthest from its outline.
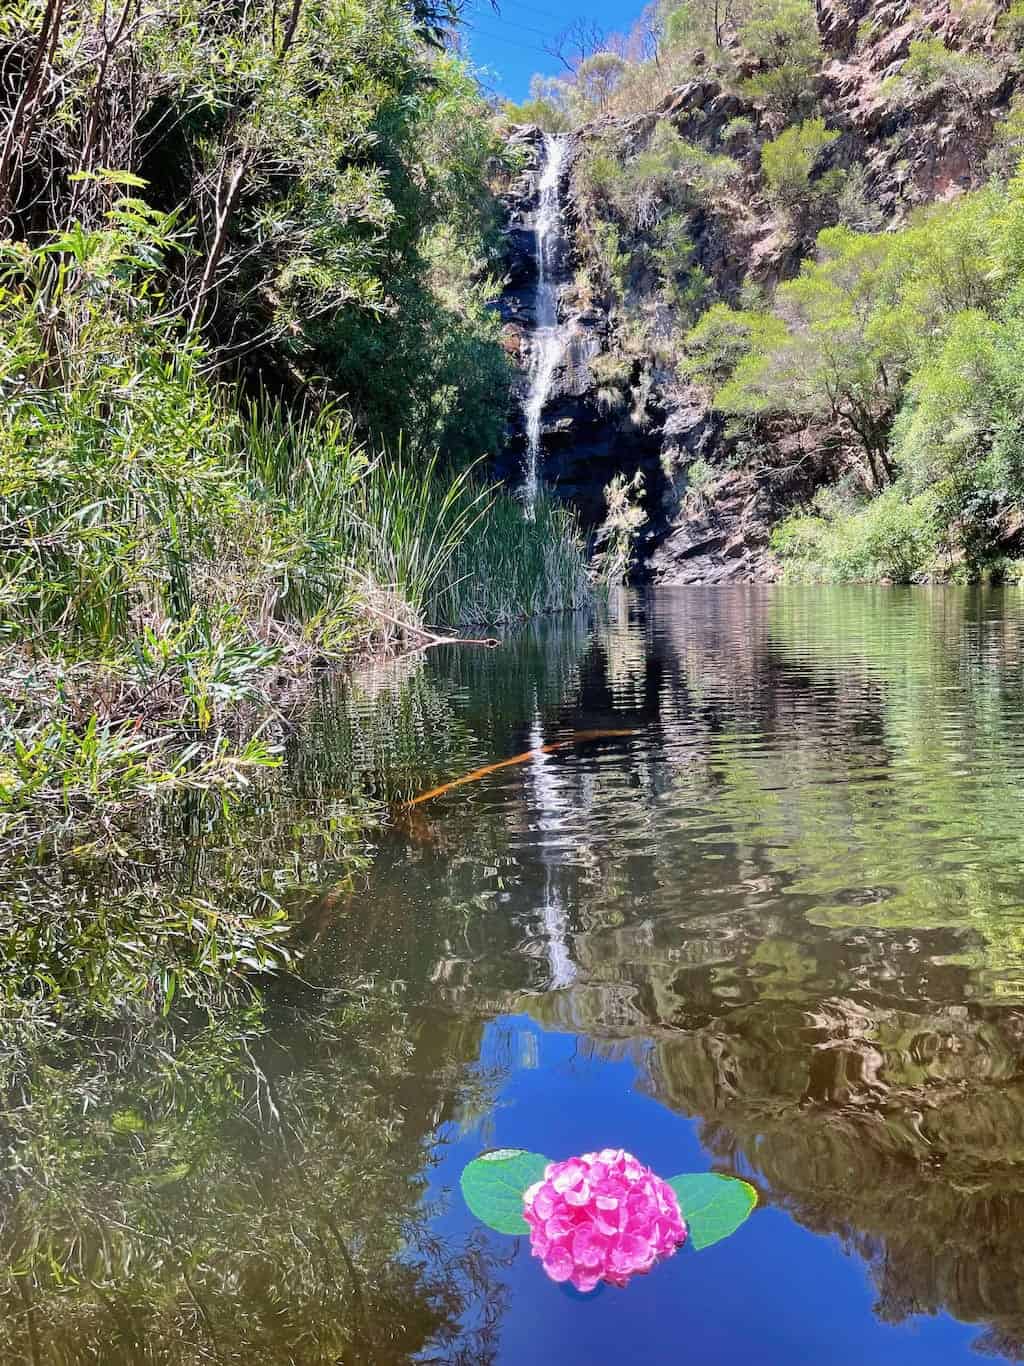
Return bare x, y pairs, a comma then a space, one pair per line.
619, 403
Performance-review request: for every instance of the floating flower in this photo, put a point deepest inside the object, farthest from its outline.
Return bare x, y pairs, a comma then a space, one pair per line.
601, 1217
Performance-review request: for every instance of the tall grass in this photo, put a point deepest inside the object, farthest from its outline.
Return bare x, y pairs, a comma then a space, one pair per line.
166, 551
509, 566
442, 548
133, 491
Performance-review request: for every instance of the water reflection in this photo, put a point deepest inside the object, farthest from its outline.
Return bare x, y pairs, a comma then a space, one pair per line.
786, 908
796, 889
252, 1189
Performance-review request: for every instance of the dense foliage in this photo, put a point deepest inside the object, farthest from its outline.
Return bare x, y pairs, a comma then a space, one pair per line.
327, 167
906, 348
248, 369
767, 52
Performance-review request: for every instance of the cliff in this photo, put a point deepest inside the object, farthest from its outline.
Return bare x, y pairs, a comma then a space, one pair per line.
621, 404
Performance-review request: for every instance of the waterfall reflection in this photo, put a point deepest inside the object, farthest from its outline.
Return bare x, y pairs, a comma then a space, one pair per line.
794, 892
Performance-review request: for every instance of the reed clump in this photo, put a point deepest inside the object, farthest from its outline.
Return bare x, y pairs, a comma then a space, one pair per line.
171, 560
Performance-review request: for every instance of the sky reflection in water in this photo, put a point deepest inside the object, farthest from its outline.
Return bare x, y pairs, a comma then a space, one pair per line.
778, 930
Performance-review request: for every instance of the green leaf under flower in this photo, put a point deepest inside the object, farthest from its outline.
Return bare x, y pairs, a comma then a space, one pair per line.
713, 1206
493, 1187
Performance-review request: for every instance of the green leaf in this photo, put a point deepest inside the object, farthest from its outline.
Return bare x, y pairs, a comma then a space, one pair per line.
493, 1186
713, 1206
112, 177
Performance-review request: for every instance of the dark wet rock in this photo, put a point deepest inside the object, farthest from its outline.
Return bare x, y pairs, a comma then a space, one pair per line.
722, 537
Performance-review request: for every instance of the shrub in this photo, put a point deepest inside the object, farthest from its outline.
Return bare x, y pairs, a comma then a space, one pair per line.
932, 69
708, 173
892, 537
548, 105
685, 285
599, 178
611, 259
855, 205
737, 132
868, 29
1012, 23
783, 36
723, 338
699, 475
544, 113
670, 172
1007, 149
788, 163
612, 372
617, 536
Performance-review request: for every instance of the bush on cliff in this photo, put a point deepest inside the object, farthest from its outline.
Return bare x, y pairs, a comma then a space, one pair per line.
906, 350
782, 36
790, 165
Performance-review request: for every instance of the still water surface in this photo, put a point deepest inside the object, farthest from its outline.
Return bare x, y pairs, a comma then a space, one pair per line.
775, 929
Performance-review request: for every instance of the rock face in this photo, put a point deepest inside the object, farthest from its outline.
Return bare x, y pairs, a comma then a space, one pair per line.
612, 412
722, 540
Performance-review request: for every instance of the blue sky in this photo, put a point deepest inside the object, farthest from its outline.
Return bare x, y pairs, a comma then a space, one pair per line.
509, 44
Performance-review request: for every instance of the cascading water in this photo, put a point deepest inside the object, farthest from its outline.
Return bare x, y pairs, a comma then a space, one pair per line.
548, 337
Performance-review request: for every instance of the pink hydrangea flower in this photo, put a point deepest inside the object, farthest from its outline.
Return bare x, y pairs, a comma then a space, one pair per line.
601, 1217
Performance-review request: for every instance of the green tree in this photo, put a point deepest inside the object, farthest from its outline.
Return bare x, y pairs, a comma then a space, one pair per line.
596, 79
704, 23
319, 150
961, 433
723, 338
836, 362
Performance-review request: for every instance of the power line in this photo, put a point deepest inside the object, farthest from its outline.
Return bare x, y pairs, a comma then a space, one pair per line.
500, 38
532, 9
526, 28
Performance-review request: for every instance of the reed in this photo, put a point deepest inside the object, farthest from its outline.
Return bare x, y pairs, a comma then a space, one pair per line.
167, 554
511, 565
440, 548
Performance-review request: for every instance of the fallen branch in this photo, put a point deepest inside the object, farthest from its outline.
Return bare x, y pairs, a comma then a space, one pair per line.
430, 635
578, 738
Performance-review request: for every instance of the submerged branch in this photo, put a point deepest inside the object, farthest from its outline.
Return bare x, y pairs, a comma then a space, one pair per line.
578, 738
430, 637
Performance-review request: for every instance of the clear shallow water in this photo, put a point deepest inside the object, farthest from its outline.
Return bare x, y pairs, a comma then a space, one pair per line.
776, 929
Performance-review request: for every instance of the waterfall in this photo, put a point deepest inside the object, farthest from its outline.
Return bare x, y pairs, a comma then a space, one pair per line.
548, 338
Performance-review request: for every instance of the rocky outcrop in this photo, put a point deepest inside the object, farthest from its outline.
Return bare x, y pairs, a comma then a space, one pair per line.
724, 539
913, 147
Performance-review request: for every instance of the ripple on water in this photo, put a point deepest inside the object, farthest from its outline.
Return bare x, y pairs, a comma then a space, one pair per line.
795, 891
